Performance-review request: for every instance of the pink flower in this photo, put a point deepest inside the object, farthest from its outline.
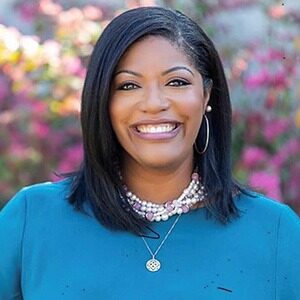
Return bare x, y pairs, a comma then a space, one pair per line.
269, 55
275, 128
253, 156
277, 11
275, 54
288, 151
267, 182
49, 7
71, 159
278, 159
134, 3
257, 80
19, 151
292, 147
28, 10
71, 65
4, 89
40, 129
39, 107
265, 78
92, 12
279, 79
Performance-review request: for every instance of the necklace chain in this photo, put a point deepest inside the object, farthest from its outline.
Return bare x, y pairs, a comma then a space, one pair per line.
153, 264
163, 241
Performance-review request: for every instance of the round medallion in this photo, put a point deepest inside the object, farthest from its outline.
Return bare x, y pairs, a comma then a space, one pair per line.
153, 265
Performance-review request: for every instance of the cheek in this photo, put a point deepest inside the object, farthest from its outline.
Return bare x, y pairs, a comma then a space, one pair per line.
117, 110
193, 110
192, 107
120, 108
119, 117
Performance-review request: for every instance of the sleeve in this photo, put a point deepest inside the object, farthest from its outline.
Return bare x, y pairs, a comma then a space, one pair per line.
288, 256
12, 224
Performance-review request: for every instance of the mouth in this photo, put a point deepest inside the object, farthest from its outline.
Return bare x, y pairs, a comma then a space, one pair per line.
156, 128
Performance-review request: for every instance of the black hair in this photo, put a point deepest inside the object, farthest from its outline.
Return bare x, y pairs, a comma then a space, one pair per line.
97, 182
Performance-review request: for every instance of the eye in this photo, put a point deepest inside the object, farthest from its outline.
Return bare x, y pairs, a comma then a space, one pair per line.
127, 86
178, 82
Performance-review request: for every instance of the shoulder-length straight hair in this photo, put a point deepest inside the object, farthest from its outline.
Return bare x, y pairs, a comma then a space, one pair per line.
98, 182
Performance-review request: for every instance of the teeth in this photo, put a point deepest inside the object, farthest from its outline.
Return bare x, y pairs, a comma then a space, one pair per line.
159, 128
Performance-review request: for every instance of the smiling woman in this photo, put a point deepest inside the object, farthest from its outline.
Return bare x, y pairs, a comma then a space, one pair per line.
157, 213
156, 108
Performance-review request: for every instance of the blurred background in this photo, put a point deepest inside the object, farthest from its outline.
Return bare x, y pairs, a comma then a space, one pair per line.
44, 50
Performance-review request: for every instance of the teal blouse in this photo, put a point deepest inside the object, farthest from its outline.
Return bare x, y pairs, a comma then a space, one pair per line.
50, 251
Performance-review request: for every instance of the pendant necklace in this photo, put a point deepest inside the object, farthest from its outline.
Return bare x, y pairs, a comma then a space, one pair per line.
153, 264
191, 195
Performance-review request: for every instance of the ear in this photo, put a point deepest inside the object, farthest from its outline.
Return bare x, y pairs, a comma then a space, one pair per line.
207, 92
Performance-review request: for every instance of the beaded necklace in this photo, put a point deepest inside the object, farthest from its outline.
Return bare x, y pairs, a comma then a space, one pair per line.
193, 194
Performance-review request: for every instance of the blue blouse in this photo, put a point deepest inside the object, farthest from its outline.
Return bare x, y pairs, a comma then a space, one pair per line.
50, 251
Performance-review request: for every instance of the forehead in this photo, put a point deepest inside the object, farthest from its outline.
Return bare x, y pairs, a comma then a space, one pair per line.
155, 51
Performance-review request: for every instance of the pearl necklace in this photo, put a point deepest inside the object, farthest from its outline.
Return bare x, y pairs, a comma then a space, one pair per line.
193, 194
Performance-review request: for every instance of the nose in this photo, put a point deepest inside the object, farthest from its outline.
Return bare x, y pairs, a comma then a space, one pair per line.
154, 100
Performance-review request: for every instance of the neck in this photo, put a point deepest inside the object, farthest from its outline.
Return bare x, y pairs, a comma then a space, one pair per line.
157, 185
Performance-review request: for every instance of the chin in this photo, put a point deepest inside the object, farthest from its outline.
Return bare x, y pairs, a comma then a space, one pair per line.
162, 161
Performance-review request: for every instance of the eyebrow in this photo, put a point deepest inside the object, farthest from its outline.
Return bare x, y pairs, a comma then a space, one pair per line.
178, 68
173, 69
129, 72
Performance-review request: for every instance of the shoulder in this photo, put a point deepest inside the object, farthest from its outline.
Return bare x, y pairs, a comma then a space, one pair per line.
46, 194
259, 213
262, 208
40, 208
47, 189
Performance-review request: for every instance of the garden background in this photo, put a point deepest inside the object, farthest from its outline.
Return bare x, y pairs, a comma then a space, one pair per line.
44, 50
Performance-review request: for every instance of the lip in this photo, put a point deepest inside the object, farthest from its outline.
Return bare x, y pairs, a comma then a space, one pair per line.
156, 135
155, 122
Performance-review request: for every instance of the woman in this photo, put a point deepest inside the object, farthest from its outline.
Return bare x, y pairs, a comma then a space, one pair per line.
156, 122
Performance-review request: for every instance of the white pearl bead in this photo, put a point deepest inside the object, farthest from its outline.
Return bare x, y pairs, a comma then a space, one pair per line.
165, 217
194, 193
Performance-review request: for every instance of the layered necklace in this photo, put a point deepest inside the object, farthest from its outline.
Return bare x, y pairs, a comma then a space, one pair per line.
193, 194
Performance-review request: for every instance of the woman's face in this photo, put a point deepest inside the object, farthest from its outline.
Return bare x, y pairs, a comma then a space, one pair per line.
157, 103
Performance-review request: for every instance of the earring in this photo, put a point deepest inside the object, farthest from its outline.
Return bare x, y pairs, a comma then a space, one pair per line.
207, 136
208, 108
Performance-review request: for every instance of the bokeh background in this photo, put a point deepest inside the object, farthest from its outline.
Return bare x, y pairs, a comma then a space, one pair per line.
44, 50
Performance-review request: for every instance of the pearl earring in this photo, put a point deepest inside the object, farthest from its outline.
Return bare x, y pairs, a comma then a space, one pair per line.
208, 108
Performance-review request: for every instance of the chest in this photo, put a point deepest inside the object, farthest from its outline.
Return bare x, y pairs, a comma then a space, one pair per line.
195, 264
